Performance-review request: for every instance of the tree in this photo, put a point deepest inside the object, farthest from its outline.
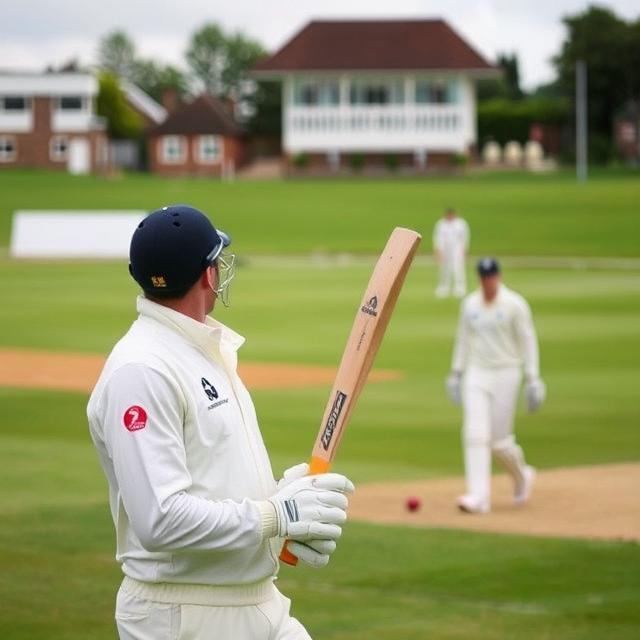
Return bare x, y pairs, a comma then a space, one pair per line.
610, 47
507, 86
222, 62
122, 120
509, 64
116, 54
155, 79
206, 57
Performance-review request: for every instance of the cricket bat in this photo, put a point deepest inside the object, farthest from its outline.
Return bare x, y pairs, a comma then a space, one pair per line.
372, 318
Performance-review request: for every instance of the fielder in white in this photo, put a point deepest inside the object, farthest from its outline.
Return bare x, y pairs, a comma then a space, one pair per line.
495, 342
199, 518
450, 246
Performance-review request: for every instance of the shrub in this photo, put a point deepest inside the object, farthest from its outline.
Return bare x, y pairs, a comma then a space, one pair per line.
301, 160
356, 161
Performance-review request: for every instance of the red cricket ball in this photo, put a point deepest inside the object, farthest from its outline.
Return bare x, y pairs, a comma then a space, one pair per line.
413, 503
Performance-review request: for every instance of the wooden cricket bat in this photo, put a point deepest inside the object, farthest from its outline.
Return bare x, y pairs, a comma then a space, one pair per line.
366, 335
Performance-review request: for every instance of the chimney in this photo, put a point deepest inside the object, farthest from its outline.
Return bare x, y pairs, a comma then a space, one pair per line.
170, 99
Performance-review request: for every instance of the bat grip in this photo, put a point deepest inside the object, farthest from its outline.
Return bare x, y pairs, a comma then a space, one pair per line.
316, 465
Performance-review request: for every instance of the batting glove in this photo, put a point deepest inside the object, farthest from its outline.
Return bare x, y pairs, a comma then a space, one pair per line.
453, 384
293, 473
315, 553
535, 392
313, 507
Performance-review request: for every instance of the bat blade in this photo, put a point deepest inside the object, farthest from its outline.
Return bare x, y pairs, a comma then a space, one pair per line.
372, 317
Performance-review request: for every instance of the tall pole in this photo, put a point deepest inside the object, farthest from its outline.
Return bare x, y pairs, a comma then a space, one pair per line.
581, 120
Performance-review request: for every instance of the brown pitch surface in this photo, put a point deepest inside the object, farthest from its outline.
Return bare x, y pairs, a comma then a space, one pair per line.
65, 371
600, 501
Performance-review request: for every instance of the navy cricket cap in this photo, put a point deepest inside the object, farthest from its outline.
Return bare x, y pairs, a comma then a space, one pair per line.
171, 248
487, 267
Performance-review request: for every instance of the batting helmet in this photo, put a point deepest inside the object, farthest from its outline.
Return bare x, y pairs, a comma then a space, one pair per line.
487, 267
171, 248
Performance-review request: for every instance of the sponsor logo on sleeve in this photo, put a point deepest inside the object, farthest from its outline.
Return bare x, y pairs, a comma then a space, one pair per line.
135, 418
370, 307
332, 420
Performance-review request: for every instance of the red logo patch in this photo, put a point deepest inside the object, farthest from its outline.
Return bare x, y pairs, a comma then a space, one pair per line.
135, 418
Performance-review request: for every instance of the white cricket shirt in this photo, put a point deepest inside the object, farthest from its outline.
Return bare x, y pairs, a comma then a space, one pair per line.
451, 236
497, 334
178, 439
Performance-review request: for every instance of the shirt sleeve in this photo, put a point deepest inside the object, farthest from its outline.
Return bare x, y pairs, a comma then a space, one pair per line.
143, 415
527, 340
461, 345
466, 235
437, 236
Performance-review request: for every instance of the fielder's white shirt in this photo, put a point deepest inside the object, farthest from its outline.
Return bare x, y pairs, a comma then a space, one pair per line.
451, 236
179, 442
496, 334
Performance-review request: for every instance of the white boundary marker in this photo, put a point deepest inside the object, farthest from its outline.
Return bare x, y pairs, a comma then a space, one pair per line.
73, 234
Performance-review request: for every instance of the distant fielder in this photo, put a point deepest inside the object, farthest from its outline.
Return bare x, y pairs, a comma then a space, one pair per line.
496, 339
450, 246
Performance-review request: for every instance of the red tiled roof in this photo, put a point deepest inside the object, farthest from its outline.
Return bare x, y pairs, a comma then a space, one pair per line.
370, 44
206, 114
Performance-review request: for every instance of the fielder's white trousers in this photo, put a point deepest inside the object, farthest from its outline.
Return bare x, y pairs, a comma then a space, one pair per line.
146, 611
489, 398
453, 278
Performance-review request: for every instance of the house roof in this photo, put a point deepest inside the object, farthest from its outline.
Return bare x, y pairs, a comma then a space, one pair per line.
374, 45
143, 102
206, 114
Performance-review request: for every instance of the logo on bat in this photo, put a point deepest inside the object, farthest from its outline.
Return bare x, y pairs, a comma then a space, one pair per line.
370, 307
332, 420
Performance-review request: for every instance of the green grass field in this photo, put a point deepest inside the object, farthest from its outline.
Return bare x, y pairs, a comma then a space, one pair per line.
58, 576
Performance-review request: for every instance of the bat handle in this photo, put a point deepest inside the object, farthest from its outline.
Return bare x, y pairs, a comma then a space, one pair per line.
316, 465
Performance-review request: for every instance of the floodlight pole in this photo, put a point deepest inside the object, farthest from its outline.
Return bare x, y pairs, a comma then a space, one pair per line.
581, 120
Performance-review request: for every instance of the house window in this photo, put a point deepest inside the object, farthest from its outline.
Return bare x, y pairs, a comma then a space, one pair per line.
370, 92
316, 93
174, 149
59, 148
70, 103
436, 92
7, 149
208, 149
13, 103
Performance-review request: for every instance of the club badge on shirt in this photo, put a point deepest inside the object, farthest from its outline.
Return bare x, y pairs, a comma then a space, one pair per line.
135, 418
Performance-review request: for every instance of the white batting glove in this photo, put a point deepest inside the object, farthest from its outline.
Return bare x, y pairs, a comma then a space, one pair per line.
293, 473
535, 392
453, 384
315, 553
313, 507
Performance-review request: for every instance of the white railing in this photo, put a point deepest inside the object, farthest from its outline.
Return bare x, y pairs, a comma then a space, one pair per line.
379, 119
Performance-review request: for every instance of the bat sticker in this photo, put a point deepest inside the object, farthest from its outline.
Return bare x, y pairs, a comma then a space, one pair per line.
334, 415
370, 307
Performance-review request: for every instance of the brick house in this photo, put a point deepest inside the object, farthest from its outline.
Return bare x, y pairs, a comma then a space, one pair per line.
198, 138
400, 89
48, 120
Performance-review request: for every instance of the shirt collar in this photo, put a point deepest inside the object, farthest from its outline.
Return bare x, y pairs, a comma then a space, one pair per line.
213, 337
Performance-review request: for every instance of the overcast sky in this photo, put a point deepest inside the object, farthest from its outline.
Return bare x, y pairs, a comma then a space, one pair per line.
35, 33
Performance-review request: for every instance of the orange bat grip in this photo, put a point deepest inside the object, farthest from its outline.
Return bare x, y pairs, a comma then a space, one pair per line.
316, 465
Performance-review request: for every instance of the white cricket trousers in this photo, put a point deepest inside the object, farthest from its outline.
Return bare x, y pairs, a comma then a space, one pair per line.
147, 611
489, 398
453, 278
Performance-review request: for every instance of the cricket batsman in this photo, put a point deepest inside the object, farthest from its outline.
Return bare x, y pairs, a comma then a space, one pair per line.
450, 246
198, 516
495, 342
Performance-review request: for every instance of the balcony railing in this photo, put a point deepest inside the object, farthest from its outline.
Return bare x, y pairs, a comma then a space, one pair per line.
392, 119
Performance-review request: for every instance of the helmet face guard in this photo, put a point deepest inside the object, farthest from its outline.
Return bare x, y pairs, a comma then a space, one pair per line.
225, 265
